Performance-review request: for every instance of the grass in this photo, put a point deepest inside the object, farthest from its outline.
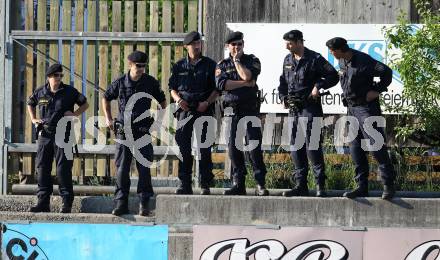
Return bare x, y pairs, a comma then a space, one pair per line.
341, 176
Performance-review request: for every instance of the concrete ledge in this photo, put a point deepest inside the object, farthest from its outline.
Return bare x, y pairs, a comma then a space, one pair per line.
304, 211
81, 204
26, 217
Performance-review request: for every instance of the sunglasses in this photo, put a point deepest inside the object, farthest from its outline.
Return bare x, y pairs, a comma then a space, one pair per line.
141, 65
236, 43
58, 75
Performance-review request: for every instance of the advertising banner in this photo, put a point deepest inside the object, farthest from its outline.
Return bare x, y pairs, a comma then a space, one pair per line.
313, 243
265, 40
43, 241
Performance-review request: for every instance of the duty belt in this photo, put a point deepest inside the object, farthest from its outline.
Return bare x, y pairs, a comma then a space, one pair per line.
296, 103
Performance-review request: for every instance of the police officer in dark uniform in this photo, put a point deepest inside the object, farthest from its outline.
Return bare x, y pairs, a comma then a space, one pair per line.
192, 86
55, 100
305, 72
237, 76
361, 96
133, 82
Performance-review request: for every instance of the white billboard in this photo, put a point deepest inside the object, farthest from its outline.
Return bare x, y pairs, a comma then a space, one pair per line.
265, 40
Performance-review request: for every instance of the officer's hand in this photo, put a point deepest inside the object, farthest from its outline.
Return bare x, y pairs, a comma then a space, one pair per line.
184, 105
315, 93
202, 107
372, 95
37, 121
109, 123
250, 83
236, 55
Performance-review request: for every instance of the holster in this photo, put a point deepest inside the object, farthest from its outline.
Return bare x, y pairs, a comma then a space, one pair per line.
118, 127
295, 103
260, 100
38, 129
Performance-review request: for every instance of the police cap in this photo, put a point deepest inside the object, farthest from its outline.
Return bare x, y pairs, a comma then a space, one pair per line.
54, 68
234, 36
293, 35
137, 57
191, 37
337, 43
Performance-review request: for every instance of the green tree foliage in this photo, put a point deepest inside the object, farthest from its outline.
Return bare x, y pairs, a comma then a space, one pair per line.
419, 68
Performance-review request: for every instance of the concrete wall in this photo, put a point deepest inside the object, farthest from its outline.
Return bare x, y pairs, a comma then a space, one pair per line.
305, 211
180, 213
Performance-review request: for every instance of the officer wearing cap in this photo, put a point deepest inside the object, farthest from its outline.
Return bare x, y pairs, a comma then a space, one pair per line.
192, 86
54, 100
133, 82
361, 96
237, 76
305, 73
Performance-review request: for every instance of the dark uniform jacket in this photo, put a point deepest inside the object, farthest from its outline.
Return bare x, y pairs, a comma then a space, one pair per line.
225, 71
357, 76
299, 77
123, 88
52, 106
194, 83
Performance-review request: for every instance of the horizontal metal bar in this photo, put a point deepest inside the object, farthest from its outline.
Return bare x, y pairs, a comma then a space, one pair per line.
98, 36
354, 229
89, 149
31, 189
268, 226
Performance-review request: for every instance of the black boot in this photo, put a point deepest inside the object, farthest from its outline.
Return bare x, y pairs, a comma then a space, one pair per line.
184, 189
238, 186
299, 190
388, 192
261, 191
42, 206
144, 208
121, 208
66, 208
204, 189
236, 190
320, 191
67, 205
360, 191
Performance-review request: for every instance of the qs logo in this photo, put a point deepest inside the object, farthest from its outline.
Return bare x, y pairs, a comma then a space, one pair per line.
21, 247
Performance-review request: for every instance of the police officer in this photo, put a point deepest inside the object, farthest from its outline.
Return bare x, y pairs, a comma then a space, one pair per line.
133, 82
192, 86
55, 100
305, 72
361, 96
237, 76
